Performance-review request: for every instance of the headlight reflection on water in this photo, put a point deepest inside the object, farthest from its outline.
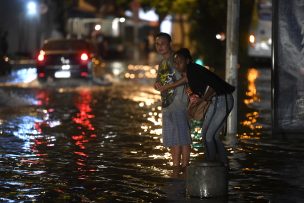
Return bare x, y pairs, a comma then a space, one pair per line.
141, 71
24, 75
149, 100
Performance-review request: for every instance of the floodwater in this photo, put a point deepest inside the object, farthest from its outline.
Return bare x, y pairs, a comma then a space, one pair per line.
78, 141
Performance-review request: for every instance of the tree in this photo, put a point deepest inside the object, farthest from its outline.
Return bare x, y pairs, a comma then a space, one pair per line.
208, 19
110, 7
162, 8
179, 8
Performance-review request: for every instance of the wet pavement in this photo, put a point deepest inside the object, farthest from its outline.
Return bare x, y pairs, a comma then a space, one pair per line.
79, 141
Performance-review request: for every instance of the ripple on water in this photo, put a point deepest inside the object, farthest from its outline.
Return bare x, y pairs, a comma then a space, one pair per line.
103, 144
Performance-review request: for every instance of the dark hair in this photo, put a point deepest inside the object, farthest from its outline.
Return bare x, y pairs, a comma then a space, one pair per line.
165, 35
183, 52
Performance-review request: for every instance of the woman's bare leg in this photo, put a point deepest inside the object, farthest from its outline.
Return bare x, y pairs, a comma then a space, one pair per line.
176, 159
176, 155
185, 155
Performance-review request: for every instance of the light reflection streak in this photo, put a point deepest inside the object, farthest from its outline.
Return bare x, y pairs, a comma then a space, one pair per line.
43, 99
253, 97
28, 129
149, 99
141, 72
82, 119
252, 91
24, 75
25, 130
87, 130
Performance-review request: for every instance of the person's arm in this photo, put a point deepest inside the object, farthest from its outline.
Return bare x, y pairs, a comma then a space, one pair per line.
157, 83
174, 85
209, 94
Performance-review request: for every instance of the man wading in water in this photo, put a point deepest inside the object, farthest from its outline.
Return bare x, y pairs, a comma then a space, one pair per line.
175, 126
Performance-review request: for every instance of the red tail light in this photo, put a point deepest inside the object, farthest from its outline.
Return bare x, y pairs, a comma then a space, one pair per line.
41, 75
41, 56
84, 57
84, 74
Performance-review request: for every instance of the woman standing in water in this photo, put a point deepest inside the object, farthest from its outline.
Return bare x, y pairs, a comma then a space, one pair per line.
175, 126
203, 84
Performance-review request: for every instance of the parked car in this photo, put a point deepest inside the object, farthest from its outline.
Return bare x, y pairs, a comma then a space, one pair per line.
68, 58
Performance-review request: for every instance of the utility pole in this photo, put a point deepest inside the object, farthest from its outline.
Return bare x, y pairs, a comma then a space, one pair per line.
135, 5
232, 45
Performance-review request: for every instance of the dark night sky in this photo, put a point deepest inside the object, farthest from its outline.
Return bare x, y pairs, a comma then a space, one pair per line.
10, 10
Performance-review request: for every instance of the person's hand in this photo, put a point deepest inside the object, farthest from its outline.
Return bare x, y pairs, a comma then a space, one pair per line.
194, 98
157, 86
188, 91
163, 88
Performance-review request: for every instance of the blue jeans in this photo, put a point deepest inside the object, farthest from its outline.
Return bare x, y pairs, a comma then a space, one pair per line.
213, 124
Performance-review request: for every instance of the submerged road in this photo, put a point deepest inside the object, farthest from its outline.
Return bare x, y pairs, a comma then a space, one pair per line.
79, 141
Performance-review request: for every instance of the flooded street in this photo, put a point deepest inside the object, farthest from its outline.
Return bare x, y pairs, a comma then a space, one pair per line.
81, 141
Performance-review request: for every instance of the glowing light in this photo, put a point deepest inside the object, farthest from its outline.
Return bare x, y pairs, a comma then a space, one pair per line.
115, 26
41, 56
84, 57
199, 62
220, 36
269, 41
141, 72
97, 27
252, 92
117, 68
252, 39
149, 15
166, 25
65, 67
32, 8
251, 118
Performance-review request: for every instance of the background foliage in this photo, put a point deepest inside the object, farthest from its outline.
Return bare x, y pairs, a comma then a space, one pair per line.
206, 17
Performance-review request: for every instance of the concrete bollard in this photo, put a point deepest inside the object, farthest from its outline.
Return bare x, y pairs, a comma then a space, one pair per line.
207, 179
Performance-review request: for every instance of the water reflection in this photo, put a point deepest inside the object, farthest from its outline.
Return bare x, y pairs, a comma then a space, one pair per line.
42, 98
24, 75
103, 144
252, 97
148, 99
83, 103
82, 119
141, 72
251, 92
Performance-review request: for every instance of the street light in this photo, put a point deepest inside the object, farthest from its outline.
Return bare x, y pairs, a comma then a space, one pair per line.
32, 9
97, 27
